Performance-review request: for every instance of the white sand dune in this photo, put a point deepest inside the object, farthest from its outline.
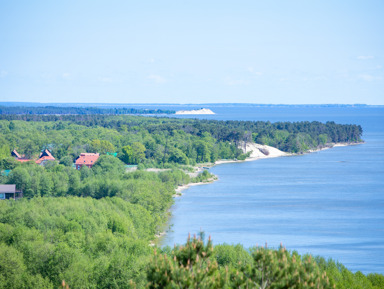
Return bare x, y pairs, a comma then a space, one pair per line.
258, 152
196, 111
262, 151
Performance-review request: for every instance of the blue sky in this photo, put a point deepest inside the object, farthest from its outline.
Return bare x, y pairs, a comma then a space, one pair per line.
290, 52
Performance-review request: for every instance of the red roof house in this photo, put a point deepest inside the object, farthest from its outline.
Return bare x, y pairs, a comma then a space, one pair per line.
23, 160
86, 159
45, 156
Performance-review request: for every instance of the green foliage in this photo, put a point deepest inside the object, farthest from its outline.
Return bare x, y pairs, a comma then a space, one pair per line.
98, 243
345, 279
109, 164
189, 266
14, 273
8, 163
199, 265
92, 227
231, 266
377, 280
232, 256
127, 154
203, 177
101, 146
133, 154
161, 141
323, 139
4, 150
66, 161
63, 110
281, 269
138, 152
177, 156
87, 242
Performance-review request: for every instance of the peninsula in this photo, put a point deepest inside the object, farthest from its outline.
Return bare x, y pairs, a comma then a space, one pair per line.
103, 211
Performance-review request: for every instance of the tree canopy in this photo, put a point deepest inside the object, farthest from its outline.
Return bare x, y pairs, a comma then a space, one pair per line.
156, 142
92, 227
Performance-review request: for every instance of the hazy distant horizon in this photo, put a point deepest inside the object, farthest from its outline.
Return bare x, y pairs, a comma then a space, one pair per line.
15, 103
285, 52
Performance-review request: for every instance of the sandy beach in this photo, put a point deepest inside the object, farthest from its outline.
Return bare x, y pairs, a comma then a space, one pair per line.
179, 189
258, 152
332, 145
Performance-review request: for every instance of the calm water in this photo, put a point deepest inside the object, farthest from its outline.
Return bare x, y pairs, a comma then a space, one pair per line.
328, 203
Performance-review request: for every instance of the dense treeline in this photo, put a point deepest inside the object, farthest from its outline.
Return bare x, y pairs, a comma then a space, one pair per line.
97, 234
158, 141
134, 138
107, 178
89, 243
104, 244
92, 227
63, 110
200, 265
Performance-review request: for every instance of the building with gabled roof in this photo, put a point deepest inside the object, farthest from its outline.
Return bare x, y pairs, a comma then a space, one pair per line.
86, 159
46, 153
18, 157
44, 157
15, 154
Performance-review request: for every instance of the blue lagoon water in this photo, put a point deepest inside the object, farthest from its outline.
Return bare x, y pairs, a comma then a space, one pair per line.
328, 203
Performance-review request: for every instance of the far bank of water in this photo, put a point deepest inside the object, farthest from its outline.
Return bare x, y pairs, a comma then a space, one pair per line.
328, 203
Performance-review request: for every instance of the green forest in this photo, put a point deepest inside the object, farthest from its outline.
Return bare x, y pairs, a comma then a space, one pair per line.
161, 141
95, 227
66, 110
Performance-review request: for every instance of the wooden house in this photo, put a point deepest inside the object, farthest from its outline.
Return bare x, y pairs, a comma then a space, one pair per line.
10, 192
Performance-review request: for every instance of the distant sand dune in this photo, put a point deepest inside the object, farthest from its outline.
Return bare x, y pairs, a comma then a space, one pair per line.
262, 151
196, 111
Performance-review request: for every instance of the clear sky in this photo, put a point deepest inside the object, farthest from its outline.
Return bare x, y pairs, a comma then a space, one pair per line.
291, 52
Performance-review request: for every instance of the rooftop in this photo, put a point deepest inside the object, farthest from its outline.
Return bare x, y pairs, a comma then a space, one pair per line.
87, 159
7, 188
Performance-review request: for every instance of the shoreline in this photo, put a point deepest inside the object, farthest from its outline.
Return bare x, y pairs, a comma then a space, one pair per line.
333, 145
250, 159
179, 189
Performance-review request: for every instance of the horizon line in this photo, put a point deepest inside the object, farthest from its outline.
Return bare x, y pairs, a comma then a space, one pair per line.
207, 103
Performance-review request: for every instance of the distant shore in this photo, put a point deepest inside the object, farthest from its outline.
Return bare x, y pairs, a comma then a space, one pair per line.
196, 111
332, 145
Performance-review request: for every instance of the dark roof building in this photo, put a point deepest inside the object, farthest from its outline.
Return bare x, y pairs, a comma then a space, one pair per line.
15, 154
18, 157
45, 156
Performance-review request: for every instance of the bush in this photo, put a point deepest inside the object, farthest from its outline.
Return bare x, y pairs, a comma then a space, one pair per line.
194, 265
66, 161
